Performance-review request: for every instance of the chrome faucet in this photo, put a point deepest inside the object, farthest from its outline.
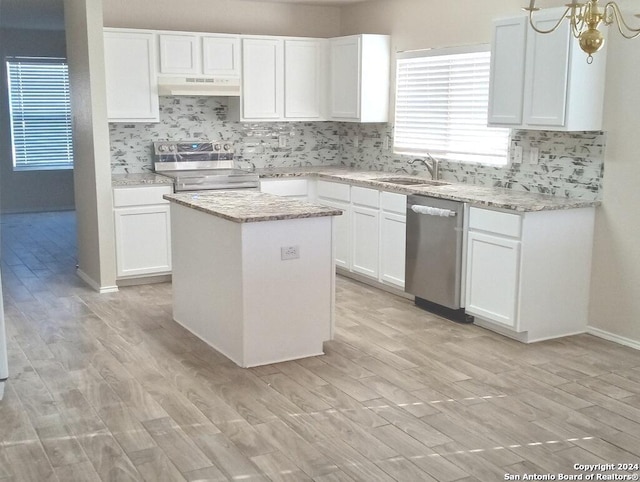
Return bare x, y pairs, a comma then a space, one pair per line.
432, 165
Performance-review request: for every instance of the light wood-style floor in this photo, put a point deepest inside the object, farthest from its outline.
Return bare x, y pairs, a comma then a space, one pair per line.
108, 387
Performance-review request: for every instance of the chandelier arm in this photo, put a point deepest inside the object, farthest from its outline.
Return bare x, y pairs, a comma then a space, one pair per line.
628, 32
552, 29
577, 23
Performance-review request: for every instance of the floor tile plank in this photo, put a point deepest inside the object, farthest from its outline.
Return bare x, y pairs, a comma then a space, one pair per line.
107, 387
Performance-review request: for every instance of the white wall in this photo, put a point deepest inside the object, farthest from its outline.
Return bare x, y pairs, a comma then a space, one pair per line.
92, 169
419, 24
224, 16
615, 304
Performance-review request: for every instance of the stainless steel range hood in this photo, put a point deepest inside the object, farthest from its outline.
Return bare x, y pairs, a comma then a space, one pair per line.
211, 86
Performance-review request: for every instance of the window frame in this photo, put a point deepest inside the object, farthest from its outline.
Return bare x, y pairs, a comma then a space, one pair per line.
498, 156
56, 114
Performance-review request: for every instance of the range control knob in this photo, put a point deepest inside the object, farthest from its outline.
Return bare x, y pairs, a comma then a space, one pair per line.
226, 147
216, 147
162, 148
172, 148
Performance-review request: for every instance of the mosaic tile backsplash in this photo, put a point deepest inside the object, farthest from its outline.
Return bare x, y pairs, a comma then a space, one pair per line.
205, 118
571, 163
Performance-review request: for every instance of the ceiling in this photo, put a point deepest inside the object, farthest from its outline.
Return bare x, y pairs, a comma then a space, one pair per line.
48, 14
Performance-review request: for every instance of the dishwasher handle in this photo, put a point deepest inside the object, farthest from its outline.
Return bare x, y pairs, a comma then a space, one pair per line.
431, 211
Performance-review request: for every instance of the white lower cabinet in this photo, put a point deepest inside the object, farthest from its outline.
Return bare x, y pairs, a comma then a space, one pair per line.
371, 233
337, 195
393, 235
142, 230
365, 229
528, 274
492, 277
290, 188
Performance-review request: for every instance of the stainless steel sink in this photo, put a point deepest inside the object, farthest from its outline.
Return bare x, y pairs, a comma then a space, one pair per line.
408, 181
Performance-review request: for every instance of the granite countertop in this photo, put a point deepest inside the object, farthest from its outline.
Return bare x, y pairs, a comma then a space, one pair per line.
137, 179
476, 195
249, 206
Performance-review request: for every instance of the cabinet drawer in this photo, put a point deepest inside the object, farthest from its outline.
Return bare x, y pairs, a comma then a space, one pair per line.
334, 190
393, 202
365, 196
139, 196
495, 222
284, 187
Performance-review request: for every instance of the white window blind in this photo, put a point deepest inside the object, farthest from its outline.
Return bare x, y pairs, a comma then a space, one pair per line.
40, 113
441, 107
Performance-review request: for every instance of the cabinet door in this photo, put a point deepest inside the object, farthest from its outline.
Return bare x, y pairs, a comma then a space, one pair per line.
506, 86
492, 278
179, 54
344, 85
132, 88
221, 56
547, 67
143, 240
342, 231
303, 79
365, 240
262, 79
392, 248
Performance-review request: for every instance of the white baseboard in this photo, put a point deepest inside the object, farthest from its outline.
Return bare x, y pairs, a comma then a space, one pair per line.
100, 289
2, 390
622, 340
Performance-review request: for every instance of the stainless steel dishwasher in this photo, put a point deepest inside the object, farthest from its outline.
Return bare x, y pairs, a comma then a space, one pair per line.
433, 268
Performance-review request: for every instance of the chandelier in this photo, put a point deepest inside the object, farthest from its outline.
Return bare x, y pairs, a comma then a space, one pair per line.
585, 18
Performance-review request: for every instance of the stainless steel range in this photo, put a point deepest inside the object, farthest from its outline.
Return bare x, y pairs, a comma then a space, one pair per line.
201, 166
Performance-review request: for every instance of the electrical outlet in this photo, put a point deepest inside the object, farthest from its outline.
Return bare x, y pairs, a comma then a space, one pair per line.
356, 142
534, 154
282, 141
385, 143
289, 252
517, 155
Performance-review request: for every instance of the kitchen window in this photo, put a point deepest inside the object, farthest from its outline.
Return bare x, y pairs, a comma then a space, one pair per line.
40, 113
441, 106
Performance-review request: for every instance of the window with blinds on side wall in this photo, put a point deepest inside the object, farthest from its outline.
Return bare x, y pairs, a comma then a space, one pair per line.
441, 106
40, 113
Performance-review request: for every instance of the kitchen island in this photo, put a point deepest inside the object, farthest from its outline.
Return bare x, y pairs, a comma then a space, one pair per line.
253, 274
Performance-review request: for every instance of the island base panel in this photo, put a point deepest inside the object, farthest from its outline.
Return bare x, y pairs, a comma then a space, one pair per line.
233, 290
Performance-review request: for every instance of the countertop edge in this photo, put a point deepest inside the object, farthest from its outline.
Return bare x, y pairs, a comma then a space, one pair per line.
552, 203
140, 179
326, 212
483, 198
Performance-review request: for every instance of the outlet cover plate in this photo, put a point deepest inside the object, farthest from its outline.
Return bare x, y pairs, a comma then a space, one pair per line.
289, 252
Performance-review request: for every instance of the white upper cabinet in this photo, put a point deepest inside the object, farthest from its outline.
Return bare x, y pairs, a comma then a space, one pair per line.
304, 81
186, 53
359, 78
262, 78
345, 77
507, 71
179, 54
543, 81
221, 55
132, 88
282, 79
